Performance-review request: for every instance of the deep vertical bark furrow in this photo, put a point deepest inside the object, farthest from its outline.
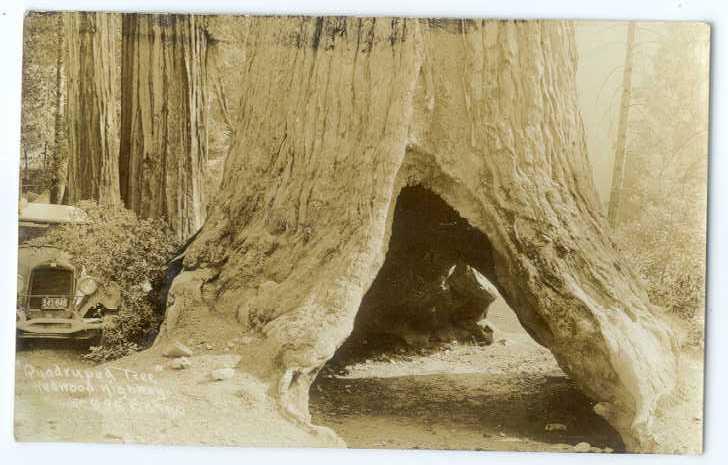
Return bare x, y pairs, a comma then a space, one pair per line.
90, 114
164, 126
337, 116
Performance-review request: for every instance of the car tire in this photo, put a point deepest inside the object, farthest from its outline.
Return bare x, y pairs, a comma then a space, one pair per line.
20, 344
97, 340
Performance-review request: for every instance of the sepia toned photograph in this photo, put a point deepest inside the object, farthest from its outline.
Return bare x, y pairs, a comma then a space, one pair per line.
362, 232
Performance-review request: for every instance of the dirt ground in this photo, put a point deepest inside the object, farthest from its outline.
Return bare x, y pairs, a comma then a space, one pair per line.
141, 399
499, 397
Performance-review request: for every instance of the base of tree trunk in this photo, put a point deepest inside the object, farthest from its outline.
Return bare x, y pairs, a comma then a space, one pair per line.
291, 349
345, 115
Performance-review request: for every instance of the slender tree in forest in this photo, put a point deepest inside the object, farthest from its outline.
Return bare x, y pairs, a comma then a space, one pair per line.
163, 118
92, 138
60, 158
340, 115
620, 155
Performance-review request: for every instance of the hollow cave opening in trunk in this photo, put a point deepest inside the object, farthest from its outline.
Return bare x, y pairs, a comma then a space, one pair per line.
437, 359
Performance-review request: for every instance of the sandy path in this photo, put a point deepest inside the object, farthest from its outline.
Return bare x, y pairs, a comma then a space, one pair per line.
467, 397
492, 398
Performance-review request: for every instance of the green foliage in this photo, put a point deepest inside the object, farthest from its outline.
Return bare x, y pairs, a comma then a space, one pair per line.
117, 246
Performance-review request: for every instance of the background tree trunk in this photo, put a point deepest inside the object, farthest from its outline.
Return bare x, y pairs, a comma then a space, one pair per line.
60, 158
620, 155
340, 115
90, 115
164, 123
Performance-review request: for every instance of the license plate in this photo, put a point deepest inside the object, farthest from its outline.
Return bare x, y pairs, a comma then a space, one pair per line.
54, 303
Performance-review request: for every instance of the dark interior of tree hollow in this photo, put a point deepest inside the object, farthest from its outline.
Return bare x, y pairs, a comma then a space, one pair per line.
433, 286
414, 358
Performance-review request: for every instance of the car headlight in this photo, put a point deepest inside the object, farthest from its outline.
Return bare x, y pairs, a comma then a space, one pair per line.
87, 285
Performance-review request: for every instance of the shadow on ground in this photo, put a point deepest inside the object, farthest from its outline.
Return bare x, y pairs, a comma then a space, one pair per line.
459, 411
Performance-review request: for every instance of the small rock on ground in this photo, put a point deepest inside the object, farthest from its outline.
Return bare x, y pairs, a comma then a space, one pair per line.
245, 340
582, 447
177, 349
180, 363
222, 374
555, 427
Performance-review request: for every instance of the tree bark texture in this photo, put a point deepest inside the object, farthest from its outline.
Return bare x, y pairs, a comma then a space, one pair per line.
164, 123
92, 130
338, 116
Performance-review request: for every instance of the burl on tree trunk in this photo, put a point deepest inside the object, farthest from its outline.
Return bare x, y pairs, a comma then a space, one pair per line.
338, 116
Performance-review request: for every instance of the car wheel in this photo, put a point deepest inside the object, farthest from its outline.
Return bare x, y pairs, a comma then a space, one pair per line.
97, 340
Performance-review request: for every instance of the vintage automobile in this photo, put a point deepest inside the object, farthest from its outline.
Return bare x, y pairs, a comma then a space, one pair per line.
55, 299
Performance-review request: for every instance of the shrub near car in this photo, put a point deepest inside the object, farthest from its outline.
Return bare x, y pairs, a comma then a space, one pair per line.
55, 299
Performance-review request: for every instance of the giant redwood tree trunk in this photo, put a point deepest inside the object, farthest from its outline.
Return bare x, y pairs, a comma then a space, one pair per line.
164, 123
338, 116
92, 130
